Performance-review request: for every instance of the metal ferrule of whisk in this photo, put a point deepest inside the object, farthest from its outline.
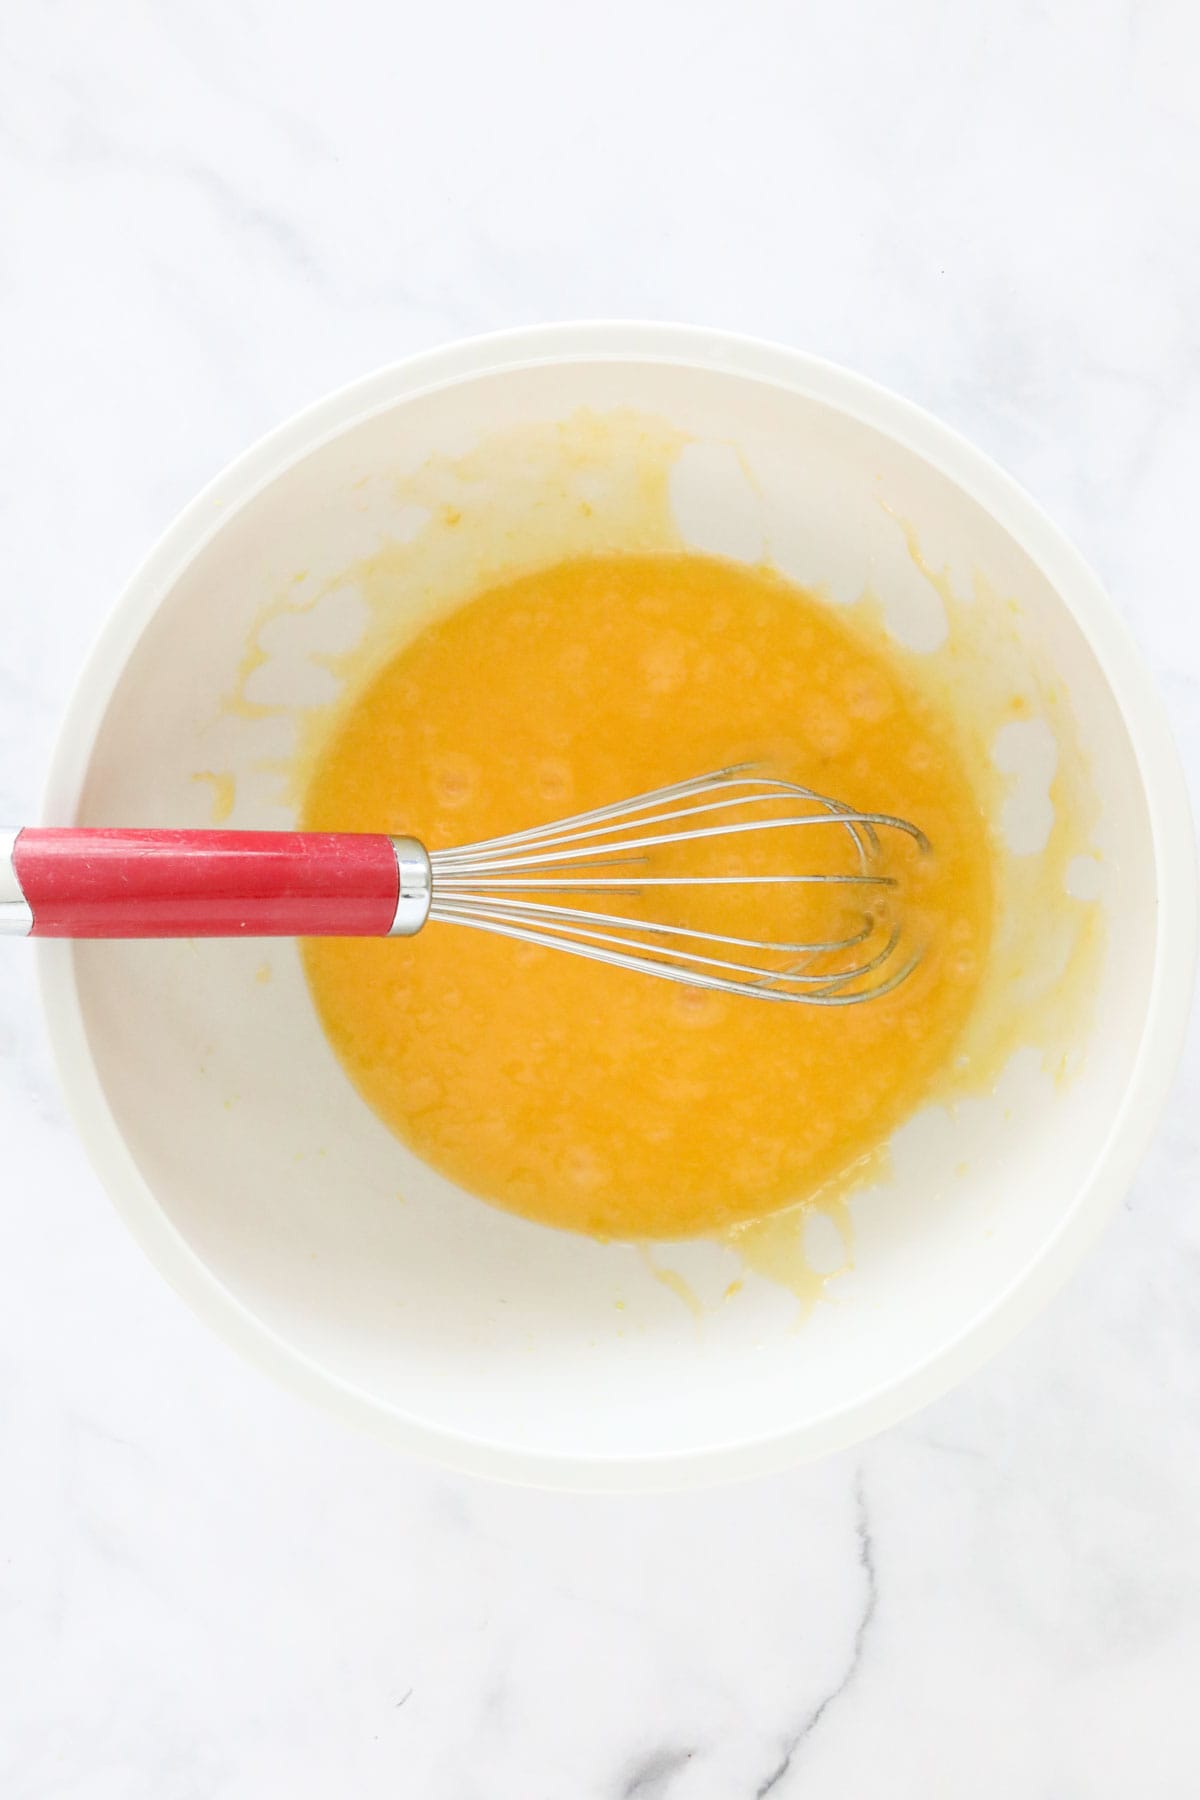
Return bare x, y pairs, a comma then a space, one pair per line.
536, 885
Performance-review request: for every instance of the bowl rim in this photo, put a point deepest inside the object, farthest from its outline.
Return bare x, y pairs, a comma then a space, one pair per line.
1169, 1002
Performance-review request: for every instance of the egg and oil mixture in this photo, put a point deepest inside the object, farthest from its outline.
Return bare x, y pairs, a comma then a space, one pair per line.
598, 1099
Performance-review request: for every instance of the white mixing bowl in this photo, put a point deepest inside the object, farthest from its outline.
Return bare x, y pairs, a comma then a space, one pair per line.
288, 1217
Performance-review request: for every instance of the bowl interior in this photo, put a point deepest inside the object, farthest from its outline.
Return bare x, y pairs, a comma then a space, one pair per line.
242, 1140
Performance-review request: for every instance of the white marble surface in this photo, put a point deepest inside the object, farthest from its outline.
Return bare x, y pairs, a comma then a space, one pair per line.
208, 216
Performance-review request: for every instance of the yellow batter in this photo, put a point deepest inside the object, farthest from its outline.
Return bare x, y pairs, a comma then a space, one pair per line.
587, 1097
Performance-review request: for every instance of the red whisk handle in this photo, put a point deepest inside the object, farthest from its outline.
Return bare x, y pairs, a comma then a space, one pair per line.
85, 883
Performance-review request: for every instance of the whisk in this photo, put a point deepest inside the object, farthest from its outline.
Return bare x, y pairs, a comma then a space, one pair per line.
604, 884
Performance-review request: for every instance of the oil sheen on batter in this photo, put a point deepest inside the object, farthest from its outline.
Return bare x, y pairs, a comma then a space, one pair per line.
588, 1097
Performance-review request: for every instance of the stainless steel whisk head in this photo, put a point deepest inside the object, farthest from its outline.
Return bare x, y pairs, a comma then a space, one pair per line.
529, 885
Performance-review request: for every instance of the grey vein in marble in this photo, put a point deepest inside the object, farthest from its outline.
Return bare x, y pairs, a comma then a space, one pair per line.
870, 1599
